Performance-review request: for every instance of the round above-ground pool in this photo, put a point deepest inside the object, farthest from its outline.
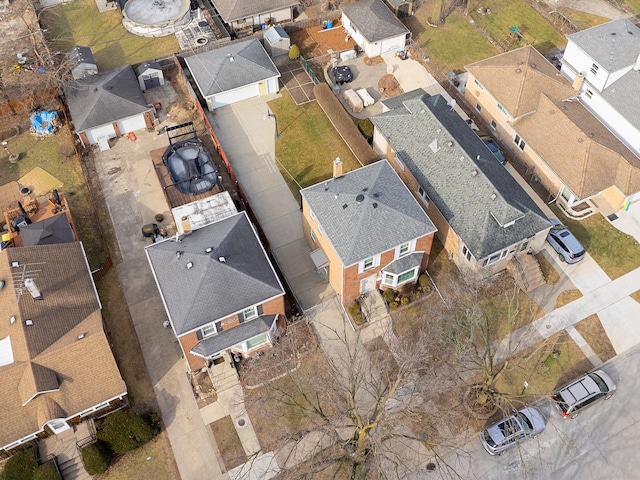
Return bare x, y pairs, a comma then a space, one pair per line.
191, 167
156, 18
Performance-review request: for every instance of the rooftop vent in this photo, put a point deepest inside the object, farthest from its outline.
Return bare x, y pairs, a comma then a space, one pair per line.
345, 206
438, 130
12, 319
222, 260
189, 265
1, 284
179, 253
360, 198
33, 289
461, 158
28, 322
374, 204
208, 250
81, 336
474, 172
450, 143
493, 196
15, 264
375, 195
478, 157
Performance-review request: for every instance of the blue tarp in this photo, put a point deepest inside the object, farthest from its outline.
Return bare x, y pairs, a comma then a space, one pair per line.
43, 122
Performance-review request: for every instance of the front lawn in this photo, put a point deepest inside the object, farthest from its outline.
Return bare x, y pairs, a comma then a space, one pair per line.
452, 45
614, 251
308, 144
502, 15
80, 23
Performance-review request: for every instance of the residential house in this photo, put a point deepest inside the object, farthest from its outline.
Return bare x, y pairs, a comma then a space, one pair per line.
374, 27
366, 229
107, 105
220, 291
56, 366
233, 73
546, 126
484, 218
254, 14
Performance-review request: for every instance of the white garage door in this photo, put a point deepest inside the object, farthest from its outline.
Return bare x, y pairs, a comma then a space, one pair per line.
131, 124
106, 131
392, 44
233, 96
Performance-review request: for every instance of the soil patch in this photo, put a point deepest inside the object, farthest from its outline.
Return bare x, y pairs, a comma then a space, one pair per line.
389, 86
203, 389
228, 442
373, 60
316, 41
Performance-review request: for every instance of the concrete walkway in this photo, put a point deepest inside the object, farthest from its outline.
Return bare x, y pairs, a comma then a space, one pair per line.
602, 8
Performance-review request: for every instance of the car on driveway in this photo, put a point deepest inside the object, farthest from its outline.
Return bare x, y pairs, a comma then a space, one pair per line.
562, 240
582, 392
502, 435
342, 74
491, 145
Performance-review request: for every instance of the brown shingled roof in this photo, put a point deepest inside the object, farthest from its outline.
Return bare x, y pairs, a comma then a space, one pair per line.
517, 78
53, 370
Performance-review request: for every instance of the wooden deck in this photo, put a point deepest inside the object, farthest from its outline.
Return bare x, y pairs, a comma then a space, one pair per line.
174, 197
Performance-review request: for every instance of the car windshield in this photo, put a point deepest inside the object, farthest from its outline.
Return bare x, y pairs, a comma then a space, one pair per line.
561, 402
601, 385
524, 422
509, 427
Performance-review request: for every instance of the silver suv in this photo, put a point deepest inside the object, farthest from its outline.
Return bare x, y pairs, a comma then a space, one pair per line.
582, 392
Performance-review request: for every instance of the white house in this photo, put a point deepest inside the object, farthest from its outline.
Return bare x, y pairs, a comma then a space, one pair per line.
374, 27
234, 73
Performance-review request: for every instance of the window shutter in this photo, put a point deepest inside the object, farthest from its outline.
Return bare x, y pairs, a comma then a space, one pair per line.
241, 317
260, 311
199, 334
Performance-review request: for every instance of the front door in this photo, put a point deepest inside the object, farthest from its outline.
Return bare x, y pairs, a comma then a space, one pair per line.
367, 284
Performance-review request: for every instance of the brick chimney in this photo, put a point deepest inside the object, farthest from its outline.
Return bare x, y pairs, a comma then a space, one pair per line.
337, 168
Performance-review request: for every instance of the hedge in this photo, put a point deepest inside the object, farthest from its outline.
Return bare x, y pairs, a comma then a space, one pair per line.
344, 125
124, 431
47, 471
95, 458
21, 466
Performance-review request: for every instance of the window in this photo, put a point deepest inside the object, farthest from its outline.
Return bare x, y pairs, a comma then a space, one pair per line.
406, 276
257, 341
389, 279
393, 280
524, 246
249, 313
519, 142
211, 329
399, 162
423, 195
367, 263
404, 249
320, 229
502, 109
594, 69
494, 125
466, 253
313, 236
478, 107
588, 93
495, 257
312, 215
475, 80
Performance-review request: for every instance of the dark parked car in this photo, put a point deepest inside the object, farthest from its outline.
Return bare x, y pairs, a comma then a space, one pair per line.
502, 435
342, 74
495, 150
562, 240
582, 392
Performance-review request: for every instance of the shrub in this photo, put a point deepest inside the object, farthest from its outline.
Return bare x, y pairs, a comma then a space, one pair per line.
366, 129
388, 295
95, 458
294, 52
21, 466
393, 305
47, 471
423, 280
124, 431
404, 301
354, 308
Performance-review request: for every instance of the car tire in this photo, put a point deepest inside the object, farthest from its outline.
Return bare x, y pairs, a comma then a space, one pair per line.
562, 259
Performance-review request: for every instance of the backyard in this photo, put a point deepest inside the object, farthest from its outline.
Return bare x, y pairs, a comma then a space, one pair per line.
307, 144
80, 23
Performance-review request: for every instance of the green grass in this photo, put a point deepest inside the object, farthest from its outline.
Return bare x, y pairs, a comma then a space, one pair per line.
614, 251
308, 144
535, 29
469, 45
80, 23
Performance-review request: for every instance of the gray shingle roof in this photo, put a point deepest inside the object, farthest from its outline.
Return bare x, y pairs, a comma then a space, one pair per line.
213, 289
78, 55
104, 98
405, 263
51, 230
231, 10
623, 96
144, 66
474, 193
612, 45
215, 72
366, 212
374, 20
228, 338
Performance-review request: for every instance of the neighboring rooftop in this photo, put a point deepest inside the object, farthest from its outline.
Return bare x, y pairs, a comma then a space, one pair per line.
233, 66
482, 202
232, 10
212, 273
374, 20
203, 212
367, 211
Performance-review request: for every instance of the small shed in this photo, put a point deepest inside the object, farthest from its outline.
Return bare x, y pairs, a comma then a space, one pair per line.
276, 42
81, 62
149, 75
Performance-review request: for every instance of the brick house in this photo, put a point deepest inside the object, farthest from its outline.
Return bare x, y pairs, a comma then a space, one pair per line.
366, 229
219, 289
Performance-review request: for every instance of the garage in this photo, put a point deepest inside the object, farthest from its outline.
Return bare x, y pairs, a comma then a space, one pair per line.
131, 124
104, 131
233, 96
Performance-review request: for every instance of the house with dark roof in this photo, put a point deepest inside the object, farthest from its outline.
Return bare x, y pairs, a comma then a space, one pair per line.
251, 14
233, 73
374, 27
366, 230
221, 293
56, 366
484, 218
545, 125
107, 105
